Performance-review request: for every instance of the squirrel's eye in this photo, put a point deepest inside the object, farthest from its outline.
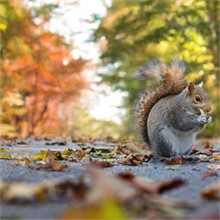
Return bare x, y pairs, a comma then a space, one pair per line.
197, 98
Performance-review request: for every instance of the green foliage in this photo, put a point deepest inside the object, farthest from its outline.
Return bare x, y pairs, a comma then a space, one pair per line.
136, 31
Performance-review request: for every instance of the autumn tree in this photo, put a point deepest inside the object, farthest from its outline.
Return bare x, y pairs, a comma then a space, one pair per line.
133, 32
39, 77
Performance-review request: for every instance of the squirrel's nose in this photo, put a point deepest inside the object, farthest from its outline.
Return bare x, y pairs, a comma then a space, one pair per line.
207, 108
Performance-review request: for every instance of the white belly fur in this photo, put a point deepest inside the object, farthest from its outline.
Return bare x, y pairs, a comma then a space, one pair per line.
180, 142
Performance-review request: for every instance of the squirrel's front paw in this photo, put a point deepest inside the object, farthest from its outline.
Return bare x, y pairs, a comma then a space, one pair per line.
205, 119
209, 119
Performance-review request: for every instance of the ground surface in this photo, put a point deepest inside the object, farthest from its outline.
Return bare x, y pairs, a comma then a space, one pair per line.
191, 172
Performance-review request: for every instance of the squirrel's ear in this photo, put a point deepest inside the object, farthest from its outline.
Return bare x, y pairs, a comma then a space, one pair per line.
201, 84
190, 88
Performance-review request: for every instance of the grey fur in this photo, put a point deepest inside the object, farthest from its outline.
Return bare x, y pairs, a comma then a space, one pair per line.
173, 125
143, 72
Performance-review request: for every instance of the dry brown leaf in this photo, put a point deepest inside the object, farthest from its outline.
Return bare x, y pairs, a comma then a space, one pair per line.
146, 157
80, 154
71, 189
212, 191
207, 174
100, 164
123, 148
22, 143
103, 182
174, 160
207, 152
131, 159
51, 164
208, 144
193, 150
54, 164
127, 175
156, 187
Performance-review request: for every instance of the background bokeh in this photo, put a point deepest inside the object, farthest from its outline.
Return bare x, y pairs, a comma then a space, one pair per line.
48, 88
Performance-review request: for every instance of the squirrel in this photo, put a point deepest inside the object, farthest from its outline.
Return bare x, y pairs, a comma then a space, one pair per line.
170, 115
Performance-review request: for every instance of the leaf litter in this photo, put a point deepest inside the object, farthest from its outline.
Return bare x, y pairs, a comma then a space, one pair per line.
142, 197
125, 193
34, 162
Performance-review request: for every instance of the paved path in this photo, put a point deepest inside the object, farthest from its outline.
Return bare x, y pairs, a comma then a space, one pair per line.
155, 170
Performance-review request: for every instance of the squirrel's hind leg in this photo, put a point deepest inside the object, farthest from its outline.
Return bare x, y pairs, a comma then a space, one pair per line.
161, 146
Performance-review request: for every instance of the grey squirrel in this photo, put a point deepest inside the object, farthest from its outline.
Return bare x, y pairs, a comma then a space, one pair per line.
171, 114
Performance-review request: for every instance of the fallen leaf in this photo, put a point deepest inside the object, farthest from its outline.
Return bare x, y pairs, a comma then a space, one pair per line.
2, 149
100, 164
16, 156
57, 155
193, 150
80, 153
207, 153
207, 174
204, 158
61, 143
71, 189
212, 191
103, 182
108, 209
23, 162
68, 154
27, 155
22, 143
216, 157
51, 163
5, 156
131, 159
72, 160
207, 144
172, 167
146, 157
22, 192
214, 166
158, 187
103, 149
127, 175
174, 160
42, 155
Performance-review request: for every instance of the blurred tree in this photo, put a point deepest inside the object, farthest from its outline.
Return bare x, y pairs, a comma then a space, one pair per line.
133, 32
91, 127
38, 74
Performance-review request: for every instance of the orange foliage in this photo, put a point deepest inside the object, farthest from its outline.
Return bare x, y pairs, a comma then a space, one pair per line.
38, 65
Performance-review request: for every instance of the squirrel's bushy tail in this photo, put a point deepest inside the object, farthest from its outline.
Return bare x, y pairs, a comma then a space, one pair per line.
172, 83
